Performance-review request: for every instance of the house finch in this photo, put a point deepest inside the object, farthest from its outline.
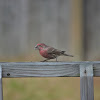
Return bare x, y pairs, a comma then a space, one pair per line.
50, 52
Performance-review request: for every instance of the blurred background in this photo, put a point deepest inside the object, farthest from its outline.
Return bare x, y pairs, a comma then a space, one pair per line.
70, 25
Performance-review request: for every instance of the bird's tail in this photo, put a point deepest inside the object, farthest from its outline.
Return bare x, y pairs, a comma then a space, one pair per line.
67, 54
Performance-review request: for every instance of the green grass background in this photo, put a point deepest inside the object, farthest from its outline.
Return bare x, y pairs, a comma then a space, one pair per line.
57, 88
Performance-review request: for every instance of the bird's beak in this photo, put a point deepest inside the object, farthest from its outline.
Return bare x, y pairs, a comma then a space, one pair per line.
36, 47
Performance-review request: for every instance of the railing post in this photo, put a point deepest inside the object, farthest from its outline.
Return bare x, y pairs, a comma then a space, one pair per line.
86, 82
1, 92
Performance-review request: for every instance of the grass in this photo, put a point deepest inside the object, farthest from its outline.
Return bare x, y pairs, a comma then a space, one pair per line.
41, 89
45, 88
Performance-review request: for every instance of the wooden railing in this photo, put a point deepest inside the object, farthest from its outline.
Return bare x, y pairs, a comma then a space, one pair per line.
84, 70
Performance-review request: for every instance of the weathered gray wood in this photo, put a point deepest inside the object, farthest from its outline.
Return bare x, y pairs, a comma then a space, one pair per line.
1, 92
40, 70
46, 69
86, 82
96, 68
83, 83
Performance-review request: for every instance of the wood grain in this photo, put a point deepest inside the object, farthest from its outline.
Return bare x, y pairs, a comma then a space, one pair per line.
40, 70
46, 69
86, 82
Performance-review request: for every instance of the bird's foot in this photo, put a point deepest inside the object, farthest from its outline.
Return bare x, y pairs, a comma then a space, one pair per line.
56, 59
44, 61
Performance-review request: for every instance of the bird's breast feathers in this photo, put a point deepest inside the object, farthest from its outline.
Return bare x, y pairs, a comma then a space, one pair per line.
46, 54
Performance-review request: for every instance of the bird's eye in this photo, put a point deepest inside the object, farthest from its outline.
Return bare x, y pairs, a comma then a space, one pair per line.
40, 46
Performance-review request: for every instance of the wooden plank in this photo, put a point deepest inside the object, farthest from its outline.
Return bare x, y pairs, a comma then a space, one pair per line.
46, 69
96, 69
1, 92
86, 82
83, 83
40, 70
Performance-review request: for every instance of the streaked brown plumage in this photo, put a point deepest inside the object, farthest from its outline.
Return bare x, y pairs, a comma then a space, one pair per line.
50, 52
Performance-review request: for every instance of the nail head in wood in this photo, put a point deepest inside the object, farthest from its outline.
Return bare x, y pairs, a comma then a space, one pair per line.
8, 74
86, 82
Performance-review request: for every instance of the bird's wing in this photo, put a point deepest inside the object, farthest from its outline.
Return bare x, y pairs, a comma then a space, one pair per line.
52, 50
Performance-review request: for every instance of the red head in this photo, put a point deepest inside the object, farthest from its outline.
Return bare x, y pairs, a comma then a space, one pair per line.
40, 46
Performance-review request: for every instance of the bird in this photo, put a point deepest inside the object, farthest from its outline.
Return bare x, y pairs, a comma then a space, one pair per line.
49, 52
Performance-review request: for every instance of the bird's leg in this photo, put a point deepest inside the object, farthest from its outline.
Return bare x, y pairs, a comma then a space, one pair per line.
56, 59
44, 60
